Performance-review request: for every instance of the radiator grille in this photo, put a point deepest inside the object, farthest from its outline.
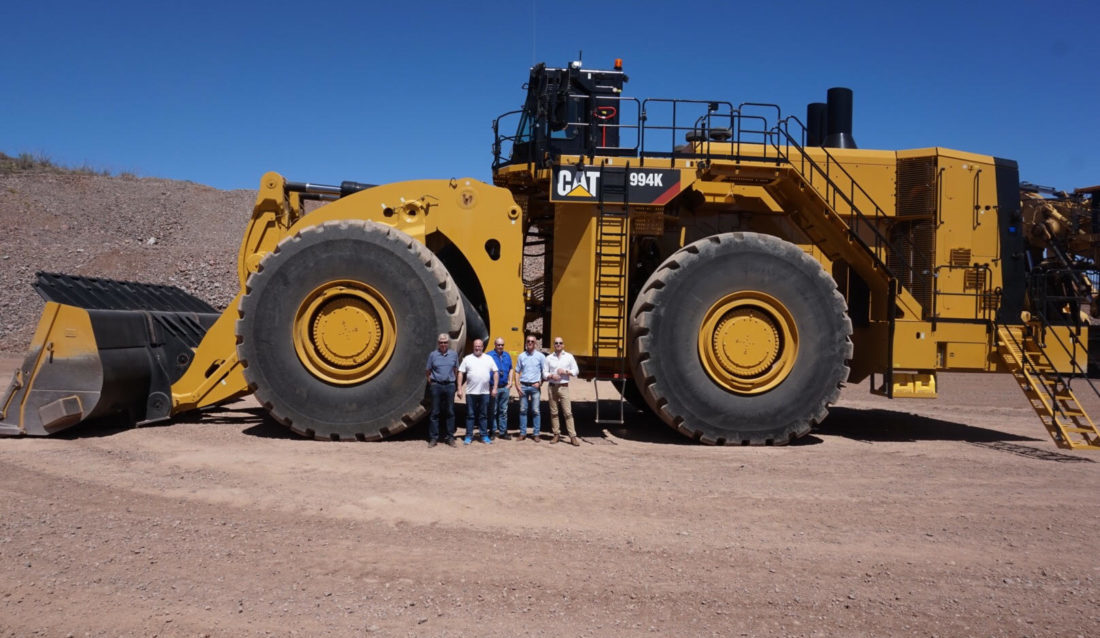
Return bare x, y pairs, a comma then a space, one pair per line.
913, 243
916, 194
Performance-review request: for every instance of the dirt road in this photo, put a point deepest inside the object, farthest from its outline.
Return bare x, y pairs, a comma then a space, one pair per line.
954, 517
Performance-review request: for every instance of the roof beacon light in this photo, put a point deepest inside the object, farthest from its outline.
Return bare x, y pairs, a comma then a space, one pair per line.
618, 64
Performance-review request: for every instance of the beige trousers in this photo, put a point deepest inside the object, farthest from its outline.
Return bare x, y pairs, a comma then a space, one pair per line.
559, 399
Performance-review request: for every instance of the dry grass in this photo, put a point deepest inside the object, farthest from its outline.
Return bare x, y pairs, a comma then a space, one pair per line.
39, 162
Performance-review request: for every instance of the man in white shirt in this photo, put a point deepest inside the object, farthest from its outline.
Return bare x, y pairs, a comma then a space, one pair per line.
480, 375
560, 367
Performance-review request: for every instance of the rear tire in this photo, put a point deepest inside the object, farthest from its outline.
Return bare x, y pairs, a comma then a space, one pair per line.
335, 327
742, 339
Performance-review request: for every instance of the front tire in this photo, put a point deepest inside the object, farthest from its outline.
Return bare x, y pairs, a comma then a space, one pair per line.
740, 338
335, 327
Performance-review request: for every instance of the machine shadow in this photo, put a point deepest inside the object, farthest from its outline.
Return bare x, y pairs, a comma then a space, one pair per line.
116, 424
638, 425
269, 428
864, 425
104, 427
873, 426
889, 426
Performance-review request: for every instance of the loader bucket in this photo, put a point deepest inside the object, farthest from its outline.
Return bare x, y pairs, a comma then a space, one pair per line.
103, 347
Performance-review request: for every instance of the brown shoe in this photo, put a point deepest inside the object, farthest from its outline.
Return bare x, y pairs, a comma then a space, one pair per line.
556, 438
521, 437
573, 441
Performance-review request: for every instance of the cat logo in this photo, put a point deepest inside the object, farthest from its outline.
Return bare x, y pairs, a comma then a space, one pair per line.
577, 183
615, 185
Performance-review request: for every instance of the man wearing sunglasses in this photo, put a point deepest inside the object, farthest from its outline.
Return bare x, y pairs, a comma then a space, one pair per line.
441, 384
559, 369
528, 383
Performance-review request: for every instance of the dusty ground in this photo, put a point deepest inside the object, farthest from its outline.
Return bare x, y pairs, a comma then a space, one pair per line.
954, 517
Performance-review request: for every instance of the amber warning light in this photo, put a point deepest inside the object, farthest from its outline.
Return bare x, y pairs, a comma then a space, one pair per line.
618, 64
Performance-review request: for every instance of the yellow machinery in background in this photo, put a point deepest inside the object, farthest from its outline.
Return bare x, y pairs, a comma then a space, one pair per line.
728, 268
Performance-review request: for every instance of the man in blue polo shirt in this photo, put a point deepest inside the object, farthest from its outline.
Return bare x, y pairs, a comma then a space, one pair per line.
440, 371
498, 400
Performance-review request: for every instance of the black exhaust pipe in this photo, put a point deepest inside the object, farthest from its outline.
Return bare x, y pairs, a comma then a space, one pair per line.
839, 119
816, 121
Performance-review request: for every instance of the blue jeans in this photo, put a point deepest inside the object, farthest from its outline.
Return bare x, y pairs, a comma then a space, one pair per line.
529, 409
476, 407
498, 411
443, 404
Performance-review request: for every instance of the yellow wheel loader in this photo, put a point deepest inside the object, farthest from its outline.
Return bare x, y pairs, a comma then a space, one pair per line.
727, 267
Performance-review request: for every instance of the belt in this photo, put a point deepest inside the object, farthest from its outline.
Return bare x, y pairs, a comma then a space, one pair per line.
443, 382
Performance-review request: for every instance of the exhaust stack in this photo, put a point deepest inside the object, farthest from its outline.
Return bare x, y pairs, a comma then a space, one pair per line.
817, 117
839, 133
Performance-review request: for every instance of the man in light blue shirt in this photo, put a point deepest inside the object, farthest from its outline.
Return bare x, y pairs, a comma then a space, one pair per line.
528, 382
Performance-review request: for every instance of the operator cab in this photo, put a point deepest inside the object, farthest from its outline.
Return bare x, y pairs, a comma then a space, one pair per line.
582, 112
571, 111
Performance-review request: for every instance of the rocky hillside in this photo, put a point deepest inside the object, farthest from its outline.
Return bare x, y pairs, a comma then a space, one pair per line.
140, 229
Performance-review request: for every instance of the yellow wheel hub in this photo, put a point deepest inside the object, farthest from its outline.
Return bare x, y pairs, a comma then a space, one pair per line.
748, 342
344, 332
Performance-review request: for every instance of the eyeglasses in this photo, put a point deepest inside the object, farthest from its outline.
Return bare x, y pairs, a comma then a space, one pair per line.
499, 345
559, 343
530, 341
444, 342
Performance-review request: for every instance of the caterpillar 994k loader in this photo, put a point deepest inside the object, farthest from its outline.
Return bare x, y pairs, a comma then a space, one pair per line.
726, 266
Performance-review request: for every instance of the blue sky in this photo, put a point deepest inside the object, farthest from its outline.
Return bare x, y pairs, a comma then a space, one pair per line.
219, 93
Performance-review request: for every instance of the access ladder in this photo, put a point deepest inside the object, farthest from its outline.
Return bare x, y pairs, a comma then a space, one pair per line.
610, 286
1047, 390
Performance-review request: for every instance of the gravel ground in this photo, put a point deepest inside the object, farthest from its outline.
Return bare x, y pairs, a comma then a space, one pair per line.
954, 517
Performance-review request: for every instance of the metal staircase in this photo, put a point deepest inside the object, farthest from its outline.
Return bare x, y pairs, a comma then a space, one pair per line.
609, 286
1048, 391
836, 213
841, 195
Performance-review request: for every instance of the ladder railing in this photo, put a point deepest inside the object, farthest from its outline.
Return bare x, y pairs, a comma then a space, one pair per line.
1048, 390
1076, 346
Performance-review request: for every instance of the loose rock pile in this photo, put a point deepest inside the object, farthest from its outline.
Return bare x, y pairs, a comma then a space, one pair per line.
139, 229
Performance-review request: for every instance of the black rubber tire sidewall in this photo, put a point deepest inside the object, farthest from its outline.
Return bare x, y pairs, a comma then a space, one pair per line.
393, 264
665, 327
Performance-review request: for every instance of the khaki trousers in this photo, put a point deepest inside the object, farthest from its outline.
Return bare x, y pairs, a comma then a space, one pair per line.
559, 399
